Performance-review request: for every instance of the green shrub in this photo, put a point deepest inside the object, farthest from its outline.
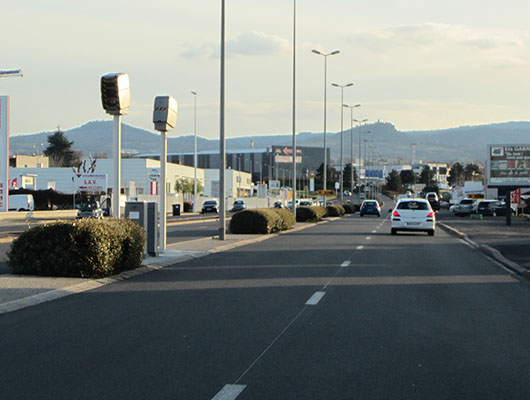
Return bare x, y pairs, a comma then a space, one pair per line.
310, 214
188, 206
260, 220
335, 211
84, 248
288, 219
351, 208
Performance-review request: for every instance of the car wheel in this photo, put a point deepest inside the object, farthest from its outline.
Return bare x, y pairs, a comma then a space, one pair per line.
362, 215
431, 232
393, 231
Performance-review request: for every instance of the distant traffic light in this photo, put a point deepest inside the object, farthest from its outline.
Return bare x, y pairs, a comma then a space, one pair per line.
115, 94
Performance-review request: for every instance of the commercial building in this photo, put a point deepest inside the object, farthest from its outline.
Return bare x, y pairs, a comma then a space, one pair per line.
272, 163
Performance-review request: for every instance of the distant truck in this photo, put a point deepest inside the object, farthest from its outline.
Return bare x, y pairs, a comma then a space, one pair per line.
21, 202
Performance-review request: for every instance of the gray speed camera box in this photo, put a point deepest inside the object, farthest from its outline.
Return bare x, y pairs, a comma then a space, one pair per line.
165, 113
115, 94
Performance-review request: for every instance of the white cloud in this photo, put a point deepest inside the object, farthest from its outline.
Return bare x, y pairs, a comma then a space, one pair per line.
251, 43
431, 35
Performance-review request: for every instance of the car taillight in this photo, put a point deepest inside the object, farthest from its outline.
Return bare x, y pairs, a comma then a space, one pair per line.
396, 214
431, 214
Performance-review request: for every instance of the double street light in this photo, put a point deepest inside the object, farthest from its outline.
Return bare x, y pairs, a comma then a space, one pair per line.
325, 55
360, 122
341, 137
351, 141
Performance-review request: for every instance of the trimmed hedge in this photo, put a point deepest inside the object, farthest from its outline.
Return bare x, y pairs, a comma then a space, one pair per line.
259, 220
288, 219
188, 206
85, 248
335, 211
310, 214
351, 208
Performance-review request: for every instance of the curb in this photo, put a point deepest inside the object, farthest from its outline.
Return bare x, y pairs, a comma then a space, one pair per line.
170, 257
489, 251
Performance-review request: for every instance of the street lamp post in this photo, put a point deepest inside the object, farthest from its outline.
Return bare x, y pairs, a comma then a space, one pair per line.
359, 172
341, 137
351, 141
194, 151
294, 107
325, 55
222, 142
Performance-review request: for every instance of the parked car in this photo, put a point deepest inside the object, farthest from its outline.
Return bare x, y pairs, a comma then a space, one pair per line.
499, 209
434, 201
413, 215
278, 204
370, 207
465, 207
347, 193
306, 203
21, 202
210, 206
90, 209
238, 205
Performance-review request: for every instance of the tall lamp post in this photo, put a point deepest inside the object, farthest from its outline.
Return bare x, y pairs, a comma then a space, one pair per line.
351, 141
341, 137
325, 55
294, 107
194, 151
359, 172
222, 142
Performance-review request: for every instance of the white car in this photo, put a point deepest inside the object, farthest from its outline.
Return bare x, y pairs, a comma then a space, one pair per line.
413, 215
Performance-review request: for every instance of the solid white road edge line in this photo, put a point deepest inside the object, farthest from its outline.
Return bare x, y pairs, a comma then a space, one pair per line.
314, 300
229, 392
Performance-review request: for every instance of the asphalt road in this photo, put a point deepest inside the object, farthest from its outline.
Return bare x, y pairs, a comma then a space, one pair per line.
342, 310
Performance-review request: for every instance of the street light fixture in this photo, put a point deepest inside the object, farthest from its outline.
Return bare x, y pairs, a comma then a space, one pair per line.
351, 141
359, 172
341, 136
325, 55
194, 151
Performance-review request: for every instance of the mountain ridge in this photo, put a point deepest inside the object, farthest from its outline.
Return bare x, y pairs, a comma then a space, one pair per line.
466, 143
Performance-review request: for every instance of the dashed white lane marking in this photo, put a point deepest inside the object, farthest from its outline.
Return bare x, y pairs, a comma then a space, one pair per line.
368, 238
229, 392
360, 247
375, 231
314, 300
345, 264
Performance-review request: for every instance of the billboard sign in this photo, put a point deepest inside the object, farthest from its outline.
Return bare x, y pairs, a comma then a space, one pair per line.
508, 165
285, 154
93, 183
4, 152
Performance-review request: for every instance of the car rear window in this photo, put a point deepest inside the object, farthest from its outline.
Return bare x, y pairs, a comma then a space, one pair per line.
412, 205
370, 203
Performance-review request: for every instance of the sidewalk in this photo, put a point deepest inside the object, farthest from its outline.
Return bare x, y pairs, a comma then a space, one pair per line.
509, 245
21, 291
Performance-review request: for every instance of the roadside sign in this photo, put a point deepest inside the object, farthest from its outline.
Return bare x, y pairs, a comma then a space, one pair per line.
508, 165
326, 192
94, 183
154, 174
274, 185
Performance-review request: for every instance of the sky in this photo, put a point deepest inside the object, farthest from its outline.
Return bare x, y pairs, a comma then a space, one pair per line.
419, 64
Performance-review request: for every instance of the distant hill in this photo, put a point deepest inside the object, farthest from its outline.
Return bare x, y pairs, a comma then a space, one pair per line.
459, 144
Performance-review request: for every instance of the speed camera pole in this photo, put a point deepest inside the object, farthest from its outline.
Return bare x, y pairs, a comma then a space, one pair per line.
164, 118
116, 99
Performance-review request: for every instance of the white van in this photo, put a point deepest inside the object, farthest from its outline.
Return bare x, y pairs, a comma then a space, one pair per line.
21, 202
